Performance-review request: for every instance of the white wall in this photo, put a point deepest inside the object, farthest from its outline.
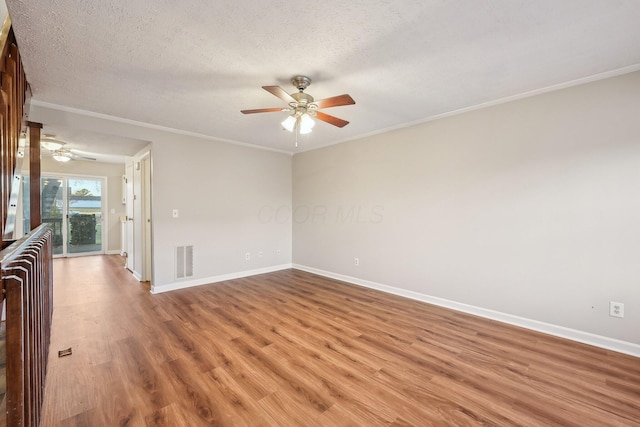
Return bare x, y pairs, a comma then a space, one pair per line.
3, 10
529, 208
113, 174
220, 190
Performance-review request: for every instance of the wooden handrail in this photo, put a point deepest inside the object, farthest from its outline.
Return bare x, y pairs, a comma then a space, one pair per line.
27, 285
12, 251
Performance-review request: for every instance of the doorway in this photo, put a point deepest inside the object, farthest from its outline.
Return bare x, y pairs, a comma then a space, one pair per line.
137, 230
74, 207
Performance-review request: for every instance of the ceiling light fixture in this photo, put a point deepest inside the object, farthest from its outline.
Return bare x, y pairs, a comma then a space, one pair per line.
289, 123
305, 124
50, 143
299, 122
61, 156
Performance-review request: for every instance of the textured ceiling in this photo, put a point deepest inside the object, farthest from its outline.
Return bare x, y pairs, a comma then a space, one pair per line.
102, 147
193, 65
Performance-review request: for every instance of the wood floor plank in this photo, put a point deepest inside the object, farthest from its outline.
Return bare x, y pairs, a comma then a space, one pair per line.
294, 349
371, 405
287, 411
171, 416
338, 416
145, 382
193, 389
288, 379
242, 408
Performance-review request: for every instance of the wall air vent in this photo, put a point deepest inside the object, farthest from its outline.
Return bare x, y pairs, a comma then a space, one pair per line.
184, 261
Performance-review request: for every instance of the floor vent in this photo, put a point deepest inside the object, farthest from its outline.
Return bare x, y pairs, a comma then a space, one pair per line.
184, 261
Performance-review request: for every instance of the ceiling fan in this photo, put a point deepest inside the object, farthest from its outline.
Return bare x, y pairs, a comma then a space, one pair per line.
303, 107
56, 148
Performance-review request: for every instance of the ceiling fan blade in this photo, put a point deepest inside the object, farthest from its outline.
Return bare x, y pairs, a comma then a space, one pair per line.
331, 119
335, 101
77, 155
280, 93
263, 110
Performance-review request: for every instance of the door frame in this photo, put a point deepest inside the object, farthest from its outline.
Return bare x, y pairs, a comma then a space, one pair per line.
128, 244
138, 224
65, 211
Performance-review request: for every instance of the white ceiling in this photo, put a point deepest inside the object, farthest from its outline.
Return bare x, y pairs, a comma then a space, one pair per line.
193, 65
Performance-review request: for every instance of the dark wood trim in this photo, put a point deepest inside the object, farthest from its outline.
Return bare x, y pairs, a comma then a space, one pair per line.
13, 93
5, 34
34, 174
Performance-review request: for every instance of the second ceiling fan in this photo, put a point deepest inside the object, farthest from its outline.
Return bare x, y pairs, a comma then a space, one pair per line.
303, 107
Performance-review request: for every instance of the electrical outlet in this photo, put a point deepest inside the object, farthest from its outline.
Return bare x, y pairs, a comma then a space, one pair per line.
356, 262
247, 256
616, 309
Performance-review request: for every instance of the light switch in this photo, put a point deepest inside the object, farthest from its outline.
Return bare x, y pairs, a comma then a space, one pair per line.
174, 213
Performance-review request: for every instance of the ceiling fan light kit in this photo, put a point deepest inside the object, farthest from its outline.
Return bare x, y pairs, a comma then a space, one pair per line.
305, 124
53, 146
61, 156
303, 107
57, 150
50, 143
302, 123
289, 123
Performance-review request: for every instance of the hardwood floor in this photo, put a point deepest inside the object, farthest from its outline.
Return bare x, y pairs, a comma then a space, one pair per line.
294, 349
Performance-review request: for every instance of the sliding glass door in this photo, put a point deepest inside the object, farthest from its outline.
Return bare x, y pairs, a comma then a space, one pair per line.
74, 209
53, 211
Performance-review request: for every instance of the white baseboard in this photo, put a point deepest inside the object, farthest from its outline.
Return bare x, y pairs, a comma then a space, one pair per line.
547, 328
213, 279
116, 252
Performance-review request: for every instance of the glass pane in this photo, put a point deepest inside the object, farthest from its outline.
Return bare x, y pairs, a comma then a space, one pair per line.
52, 206
84, 215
